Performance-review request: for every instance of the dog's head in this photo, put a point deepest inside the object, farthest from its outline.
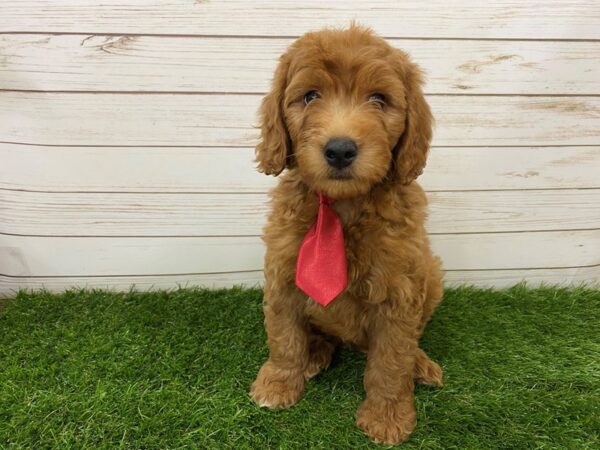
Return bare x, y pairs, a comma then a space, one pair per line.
346, 110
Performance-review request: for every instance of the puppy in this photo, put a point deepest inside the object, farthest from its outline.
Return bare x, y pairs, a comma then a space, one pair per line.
347, 118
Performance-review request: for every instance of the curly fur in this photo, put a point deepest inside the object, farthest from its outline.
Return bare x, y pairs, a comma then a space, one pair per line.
395, 282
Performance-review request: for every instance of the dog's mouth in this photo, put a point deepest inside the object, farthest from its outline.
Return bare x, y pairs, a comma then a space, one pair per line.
340, 175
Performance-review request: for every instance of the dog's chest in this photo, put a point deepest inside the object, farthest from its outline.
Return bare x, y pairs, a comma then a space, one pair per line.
365, 238
345, 319
362, 242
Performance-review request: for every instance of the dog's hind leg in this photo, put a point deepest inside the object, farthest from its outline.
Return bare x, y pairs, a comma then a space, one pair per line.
320, 354
433, 291
427, 371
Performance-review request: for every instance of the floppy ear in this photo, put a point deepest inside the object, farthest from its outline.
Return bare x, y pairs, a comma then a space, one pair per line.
413, 146
274, 148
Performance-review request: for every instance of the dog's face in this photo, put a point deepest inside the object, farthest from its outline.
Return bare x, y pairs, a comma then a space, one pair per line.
346, 110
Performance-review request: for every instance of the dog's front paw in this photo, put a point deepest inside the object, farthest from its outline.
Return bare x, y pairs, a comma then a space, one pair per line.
277, 388
385, 422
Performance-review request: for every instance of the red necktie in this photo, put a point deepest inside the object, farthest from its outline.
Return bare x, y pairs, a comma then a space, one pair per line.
321, 267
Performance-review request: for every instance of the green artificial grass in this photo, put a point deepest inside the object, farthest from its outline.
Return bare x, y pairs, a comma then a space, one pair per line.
94, 369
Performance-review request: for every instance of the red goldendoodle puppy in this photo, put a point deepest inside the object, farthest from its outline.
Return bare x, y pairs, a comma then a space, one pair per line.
346, 116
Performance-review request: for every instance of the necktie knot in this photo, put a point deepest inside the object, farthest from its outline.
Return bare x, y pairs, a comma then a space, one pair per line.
324, 200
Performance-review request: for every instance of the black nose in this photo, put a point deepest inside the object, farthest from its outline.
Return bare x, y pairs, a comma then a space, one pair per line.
340, 153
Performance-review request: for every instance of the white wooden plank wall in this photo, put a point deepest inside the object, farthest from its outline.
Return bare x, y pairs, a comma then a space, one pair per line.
127, 126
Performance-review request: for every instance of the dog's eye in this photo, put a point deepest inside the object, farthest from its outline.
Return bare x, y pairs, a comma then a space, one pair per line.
378, 99
310, 96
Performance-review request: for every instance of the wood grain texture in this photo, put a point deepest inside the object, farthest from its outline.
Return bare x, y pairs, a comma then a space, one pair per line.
9, 286
484, 278
216, 170
130, 169
184, 64
572, 276
26, 255
148, 139
544, 249
511, 168
85, 214
500, 211
573, 19
69, 256
213, 120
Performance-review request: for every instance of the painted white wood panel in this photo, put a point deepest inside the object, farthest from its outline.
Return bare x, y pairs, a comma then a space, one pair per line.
511, 168
544, 249
41, 256
85, 214
574, 19
37, 213
496, 211
214, 120
499, 278
131, 169
10, 285
572, 276
504, 168
184, 64
166, 169
60, 256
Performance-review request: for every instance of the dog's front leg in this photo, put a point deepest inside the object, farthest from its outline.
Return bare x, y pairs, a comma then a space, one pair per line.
387, 414
280, 381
